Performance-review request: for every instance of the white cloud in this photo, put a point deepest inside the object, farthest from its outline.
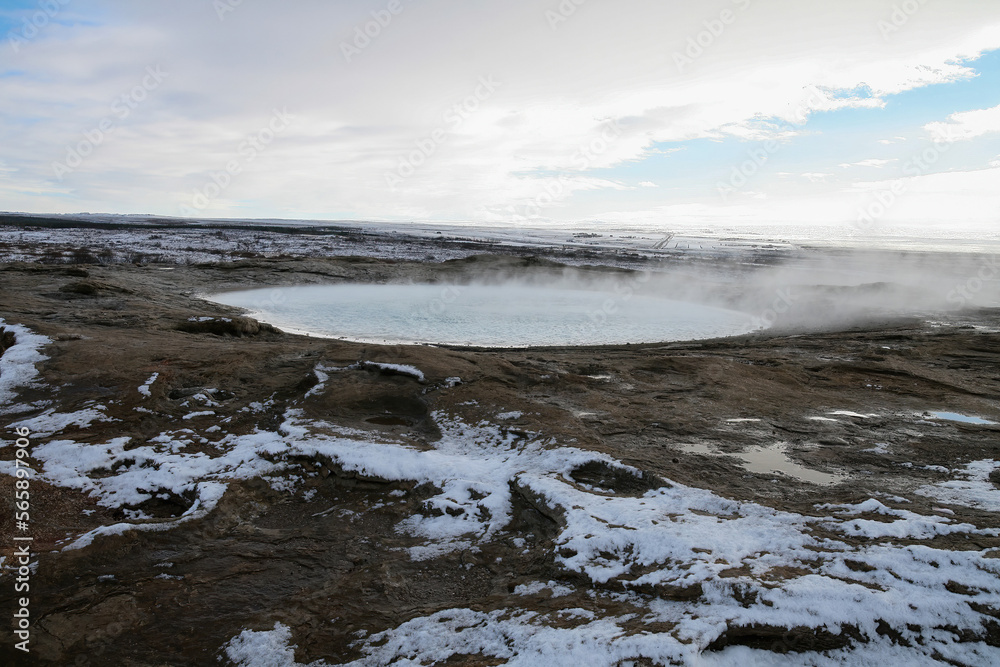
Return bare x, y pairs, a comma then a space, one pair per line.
927, 202
647, 184
357, 121
967, 124
870, 162
815, 177
974, 195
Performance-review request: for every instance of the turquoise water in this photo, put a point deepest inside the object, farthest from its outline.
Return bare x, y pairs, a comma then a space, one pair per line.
484, 315
956, 417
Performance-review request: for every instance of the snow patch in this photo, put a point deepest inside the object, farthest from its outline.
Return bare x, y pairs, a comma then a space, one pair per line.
144, 389
266, 648
51, 422
536, 587
17, 367
974, 489
321, 376
402, 369
209, 494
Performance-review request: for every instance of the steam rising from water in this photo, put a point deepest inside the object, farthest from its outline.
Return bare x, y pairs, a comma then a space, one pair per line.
505, 301
511, 315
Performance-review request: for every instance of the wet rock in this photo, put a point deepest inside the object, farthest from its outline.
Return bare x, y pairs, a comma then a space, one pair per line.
383, 369
165, 504
183, 392
779, 639
7, 340
216, 394
530, 500
667, 591
84, 288
620, 481
227, 326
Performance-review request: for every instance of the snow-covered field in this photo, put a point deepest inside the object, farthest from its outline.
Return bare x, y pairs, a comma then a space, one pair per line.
135, 239
590, 234
881, 600
117, 239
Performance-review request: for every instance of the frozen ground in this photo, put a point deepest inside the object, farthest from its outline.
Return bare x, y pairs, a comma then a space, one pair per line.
128, 239
593, 234
777, 499
854, 581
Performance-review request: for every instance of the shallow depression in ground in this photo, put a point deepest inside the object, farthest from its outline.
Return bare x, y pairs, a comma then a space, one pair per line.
485, 315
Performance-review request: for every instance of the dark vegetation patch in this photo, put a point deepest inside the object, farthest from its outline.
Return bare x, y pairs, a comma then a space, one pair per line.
237, 327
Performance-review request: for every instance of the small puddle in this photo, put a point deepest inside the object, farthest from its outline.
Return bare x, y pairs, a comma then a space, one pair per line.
699, 448
775, 459
956, 417
766, 460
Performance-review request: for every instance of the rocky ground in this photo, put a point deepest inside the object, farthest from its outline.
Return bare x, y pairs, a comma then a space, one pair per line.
368, 559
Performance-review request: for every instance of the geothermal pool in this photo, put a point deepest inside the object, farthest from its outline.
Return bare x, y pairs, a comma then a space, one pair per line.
483, 315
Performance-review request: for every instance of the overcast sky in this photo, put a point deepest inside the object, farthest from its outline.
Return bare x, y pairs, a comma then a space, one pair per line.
854, 112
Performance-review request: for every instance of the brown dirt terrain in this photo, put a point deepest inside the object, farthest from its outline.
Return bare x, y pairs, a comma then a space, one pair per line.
333, 565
